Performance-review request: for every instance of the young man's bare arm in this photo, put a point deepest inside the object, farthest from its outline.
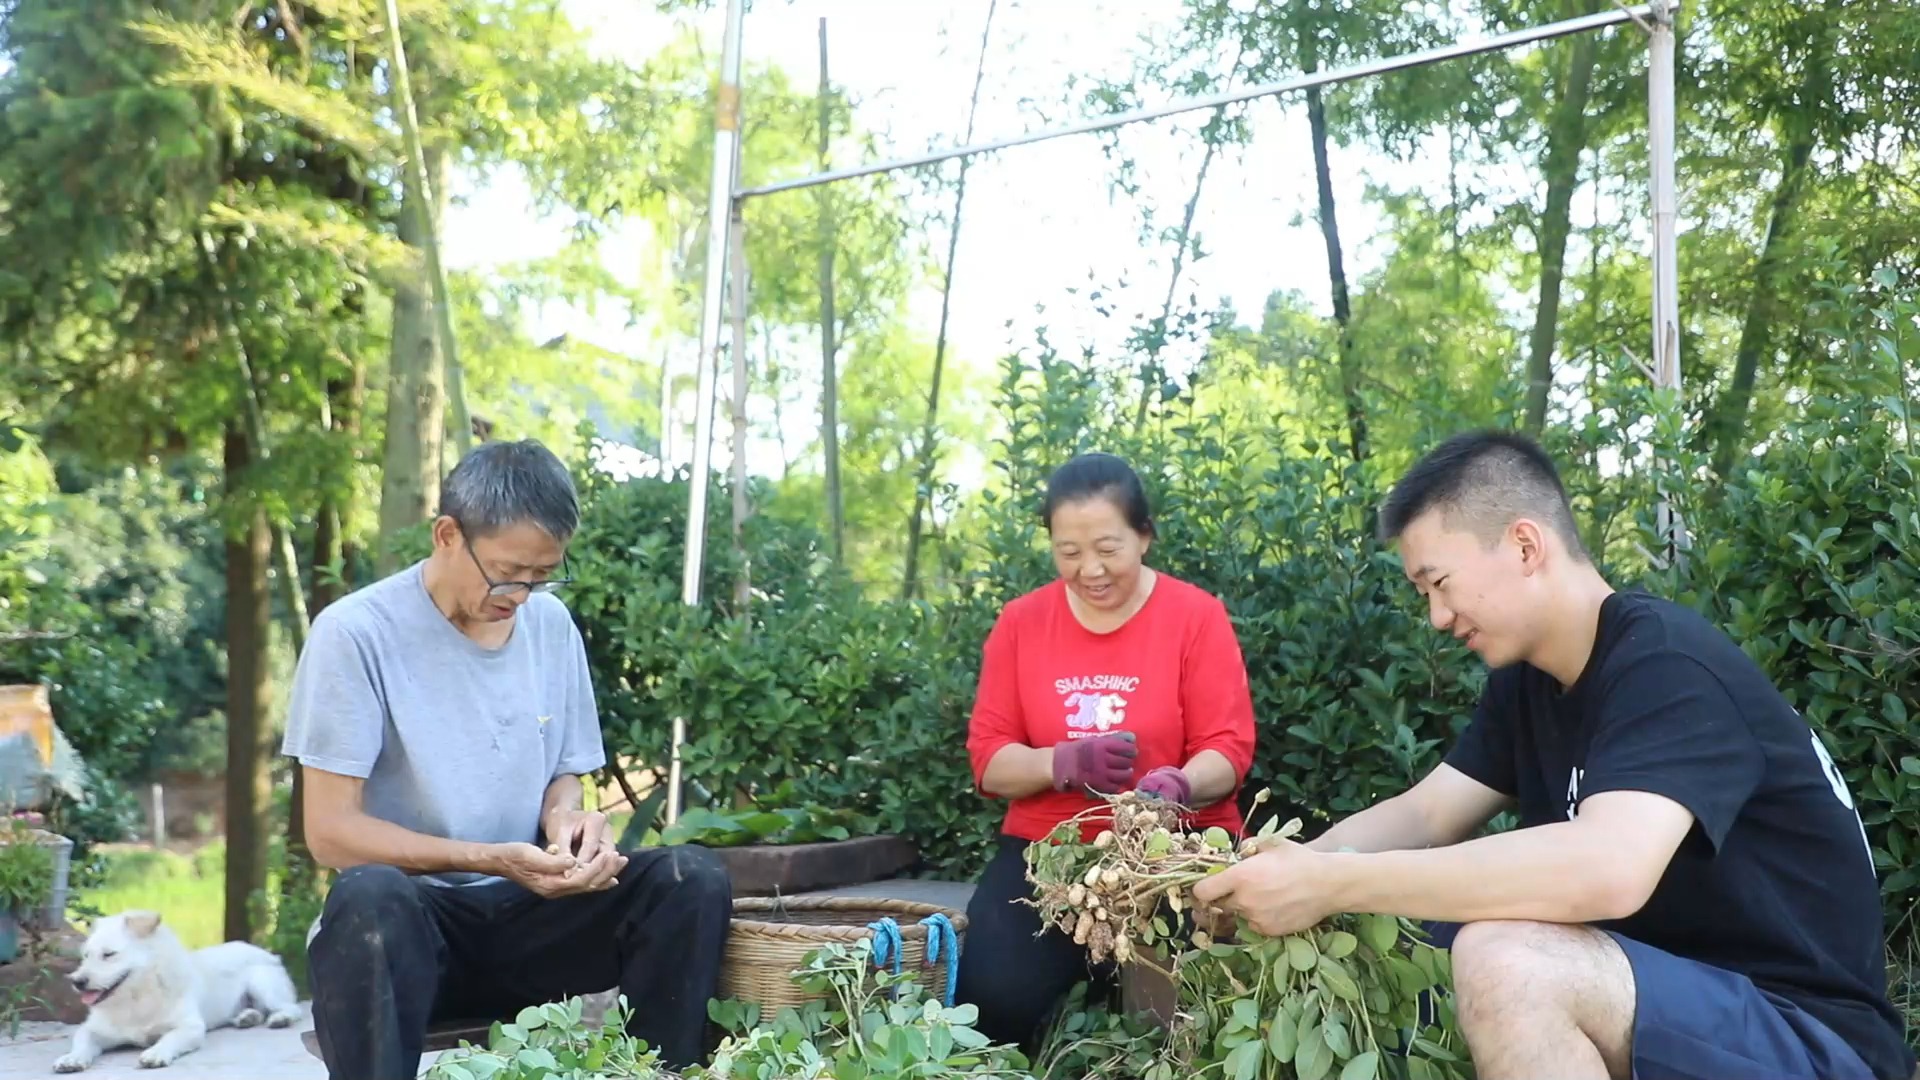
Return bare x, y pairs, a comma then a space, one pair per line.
1446, 807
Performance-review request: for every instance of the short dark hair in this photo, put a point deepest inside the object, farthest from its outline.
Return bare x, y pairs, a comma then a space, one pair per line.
1482, 481
499, 484
1095, 475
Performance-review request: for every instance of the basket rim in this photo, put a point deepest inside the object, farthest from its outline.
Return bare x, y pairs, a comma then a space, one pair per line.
873, 907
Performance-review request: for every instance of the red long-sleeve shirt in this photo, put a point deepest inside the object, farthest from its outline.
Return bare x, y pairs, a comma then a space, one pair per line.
1172, 675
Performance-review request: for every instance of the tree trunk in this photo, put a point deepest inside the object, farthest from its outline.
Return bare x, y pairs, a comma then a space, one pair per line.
249, 735
1152, 375
333, 535
929, 458
1566, 140
1453, 208
1337, 277
666, 408
778, 392
1727, 423
416, 397
829, 379
426, 177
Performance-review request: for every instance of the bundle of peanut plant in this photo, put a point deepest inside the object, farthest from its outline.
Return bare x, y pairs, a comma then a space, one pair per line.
1345, 998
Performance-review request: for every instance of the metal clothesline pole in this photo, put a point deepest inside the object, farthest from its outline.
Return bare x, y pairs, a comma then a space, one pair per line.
726, 137
1596, 21
1665, 213
725, 199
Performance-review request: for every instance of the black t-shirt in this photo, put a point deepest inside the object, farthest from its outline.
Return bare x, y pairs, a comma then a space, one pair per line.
1775, 880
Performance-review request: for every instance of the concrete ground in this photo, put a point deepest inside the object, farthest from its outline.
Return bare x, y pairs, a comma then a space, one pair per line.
229, 1054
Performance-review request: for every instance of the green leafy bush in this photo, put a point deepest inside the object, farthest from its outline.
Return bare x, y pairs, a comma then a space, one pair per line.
845, 703
1809, 556
549, 1042
865, 1025
790, 825
26, 867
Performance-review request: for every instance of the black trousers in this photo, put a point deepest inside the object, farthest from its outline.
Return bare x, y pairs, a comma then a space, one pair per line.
1014, 971
395, 954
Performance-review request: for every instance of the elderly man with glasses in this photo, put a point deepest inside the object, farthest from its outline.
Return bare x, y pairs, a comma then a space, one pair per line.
443, 719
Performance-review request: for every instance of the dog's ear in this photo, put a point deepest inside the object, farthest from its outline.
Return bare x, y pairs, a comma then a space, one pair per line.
143, 923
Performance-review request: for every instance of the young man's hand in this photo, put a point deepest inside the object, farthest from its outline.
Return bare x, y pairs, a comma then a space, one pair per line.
1282, 890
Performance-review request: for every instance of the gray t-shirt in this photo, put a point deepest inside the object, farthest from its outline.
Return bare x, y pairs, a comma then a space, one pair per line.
453, 739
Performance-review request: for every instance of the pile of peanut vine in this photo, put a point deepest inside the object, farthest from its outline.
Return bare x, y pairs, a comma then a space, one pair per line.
1342, 999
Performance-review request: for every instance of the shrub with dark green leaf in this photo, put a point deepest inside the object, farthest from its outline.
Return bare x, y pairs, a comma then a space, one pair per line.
1808, 556
814, 691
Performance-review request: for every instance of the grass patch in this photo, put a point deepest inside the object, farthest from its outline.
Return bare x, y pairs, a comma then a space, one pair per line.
189, 892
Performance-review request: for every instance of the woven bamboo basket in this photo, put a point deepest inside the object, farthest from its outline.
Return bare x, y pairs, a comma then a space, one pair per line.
772, 936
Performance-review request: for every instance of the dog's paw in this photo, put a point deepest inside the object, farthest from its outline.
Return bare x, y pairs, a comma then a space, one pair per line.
247, 1018
69, 1064
283, 1019
157, 1058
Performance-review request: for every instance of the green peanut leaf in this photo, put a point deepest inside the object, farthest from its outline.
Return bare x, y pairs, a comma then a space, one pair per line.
1363, 1067
1408, 977
1337, 1039
1283, 1037
1244, 1062
1380, 932
1315, 1058
1301, 954
1335, 976
1339, 944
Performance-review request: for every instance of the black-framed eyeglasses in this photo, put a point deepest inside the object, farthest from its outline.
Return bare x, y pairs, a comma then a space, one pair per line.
508, 588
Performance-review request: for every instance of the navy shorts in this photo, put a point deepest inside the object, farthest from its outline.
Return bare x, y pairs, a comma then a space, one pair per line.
1694, 1021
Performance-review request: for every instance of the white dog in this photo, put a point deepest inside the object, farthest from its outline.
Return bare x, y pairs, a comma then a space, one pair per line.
143, 988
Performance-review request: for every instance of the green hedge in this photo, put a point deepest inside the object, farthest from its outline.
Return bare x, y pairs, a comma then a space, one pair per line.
856, 704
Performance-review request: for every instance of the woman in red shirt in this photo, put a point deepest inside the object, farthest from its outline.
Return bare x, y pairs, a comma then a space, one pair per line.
1114, 677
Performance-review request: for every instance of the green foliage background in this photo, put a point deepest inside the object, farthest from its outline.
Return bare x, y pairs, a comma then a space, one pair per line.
1808, 558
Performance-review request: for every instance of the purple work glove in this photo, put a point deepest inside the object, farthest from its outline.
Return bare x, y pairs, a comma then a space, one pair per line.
1103, 763
1169, 783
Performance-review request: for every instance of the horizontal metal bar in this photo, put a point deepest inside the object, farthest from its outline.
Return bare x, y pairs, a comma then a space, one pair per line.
1596, 21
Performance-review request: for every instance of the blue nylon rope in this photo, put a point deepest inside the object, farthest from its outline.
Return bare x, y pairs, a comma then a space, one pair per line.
887, 945
940, 933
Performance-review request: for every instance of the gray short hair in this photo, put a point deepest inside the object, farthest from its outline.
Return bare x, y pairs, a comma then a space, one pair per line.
500, 484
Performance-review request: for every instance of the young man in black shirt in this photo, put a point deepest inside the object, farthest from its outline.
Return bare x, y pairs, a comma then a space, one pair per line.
1690, 895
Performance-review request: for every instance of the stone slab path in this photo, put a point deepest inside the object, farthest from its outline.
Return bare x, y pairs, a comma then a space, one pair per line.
229, 1054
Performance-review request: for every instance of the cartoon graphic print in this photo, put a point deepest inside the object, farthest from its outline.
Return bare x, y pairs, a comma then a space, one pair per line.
1095, 712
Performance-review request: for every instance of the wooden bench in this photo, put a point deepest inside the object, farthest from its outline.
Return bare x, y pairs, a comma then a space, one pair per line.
444, 1036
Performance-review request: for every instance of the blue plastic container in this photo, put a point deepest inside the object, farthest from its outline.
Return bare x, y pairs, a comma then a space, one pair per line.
9, 937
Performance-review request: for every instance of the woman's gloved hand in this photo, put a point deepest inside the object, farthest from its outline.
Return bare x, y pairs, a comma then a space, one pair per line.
1103, 763
1169, 783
